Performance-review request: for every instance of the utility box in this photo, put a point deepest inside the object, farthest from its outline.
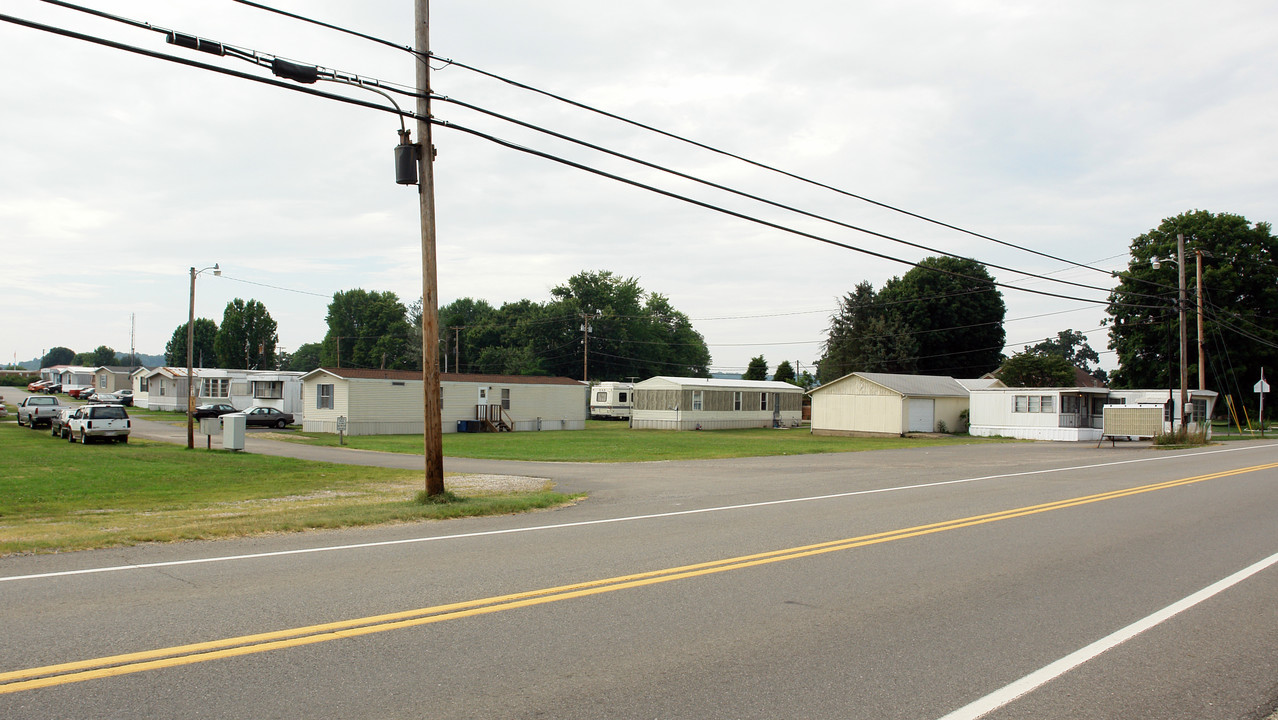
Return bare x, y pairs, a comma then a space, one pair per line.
210, 425
233, 426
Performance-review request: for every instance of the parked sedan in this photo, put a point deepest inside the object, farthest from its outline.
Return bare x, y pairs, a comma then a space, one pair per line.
38, 385
102, 398
126, 397
58, 423
267, 417
213, 410
84, 393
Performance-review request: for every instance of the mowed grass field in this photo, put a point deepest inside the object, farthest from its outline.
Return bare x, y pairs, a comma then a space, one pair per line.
58, 496
603, 441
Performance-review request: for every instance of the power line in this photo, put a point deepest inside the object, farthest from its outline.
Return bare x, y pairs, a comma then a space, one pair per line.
195, 63
750, 218
673, 136
750, 196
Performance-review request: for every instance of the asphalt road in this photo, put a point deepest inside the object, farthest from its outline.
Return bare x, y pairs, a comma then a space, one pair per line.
897, 584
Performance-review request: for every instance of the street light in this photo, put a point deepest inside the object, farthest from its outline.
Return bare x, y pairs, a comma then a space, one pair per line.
190, 370
1180, 306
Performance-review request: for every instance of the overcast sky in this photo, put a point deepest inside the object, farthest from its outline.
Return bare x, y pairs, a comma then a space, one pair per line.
1067, 128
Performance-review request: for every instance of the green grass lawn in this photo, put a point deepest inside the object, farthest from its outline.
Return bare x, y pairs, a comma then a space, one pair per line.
604, 441
57, 496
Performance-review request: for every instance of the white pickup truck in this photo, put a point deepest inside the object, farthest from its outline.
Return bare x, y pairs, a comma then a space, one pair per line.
38, 410
98, 422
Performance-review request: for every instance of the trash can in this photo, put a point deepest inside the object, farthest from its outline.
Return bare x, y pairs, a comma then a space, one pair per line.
461, 426
233, 431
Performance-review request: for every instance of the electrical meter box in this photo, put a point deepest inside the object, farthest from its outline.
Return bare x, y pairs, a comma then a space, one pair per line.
233, 431
210, 426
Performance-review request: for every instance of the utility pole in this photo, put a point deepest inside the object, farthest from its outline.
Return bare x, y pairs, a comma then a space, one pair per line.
1198, 293
457, 349
585, 344
432, 401
1184, 342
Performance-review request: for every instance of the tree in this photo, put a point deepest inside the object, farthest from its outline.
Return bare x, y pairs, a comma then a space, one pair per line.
757, 369
368, 329
955, 314
1030, 368
305, 358
247, 337
1240, 291
785, 373
1072, 346
944, 317
202, 352
57, 356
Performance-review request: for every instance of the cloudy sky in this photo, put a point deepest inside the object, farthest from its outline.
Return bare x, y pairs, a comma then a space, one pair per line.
1065, 128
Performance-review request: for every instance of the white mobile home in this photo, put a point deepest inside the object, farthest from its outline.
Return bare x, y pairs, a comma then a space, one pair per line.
389, 402
1068, 414
682, 403
879, 404
165, 388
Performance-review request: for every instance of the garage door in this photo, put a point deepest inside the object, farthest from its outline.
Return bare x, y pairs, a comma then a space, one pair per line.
922, 415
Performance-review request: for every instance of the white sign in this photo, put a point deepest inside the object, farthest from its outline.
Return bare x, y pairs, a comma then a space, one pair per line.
1261, 387
341, 423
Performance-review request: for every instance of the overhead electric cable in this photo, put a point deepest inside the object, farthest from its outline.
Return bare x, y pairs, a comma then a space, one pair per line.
673, 136
750, 218
508, 144
195, 63
750, 196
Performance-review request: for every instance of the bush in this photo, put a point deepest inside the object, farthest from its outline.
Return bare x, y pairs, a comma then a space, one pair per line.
22, 381
1181, 438
941, 427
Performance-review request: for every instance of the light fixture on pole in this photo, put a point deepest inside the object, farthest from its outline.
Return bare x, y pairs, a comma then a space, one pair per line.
1180, 306
190, 347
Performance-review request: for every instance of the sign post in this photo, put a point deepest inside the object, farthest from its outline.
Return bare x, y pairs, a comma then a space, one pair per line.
1261, 388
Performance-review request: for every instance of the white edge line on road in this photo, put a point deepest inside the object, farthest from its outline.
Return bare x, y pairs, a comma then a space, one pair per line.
1009, 693
583, 523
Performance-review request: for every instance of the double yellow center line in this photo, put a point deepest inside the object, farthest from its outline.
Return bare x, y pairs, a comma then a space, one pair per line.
51, 675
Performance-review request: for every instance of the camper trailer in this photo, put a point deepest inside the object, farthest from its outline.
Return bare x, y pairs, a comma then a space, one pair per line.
611, 401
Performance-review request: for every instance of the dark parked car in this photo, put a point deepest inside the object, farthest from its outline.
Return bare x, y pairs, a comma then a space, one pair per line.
52, 389
267, 417
126, 397
86, 393
213, 410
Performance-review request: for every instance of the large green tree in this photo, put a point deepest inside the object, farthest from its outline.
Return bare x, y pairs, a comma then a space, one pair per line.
1030, 368
944, 317
202, 352
1074, 348
57, 356
632, 333
368, 329
1240, 299
756, 369
247, 337
102, 355
955, 313
305, 358
785, 373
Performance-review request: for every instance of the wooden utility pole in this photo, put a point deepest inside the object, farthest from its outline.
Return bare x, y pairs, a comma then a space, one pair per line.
1184, 343
432, 402
1198, 293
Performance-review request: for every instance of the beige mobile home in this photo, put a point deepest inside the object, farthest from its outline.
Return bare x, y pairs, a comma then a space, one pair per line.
389, 402
682, 403
880, 404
